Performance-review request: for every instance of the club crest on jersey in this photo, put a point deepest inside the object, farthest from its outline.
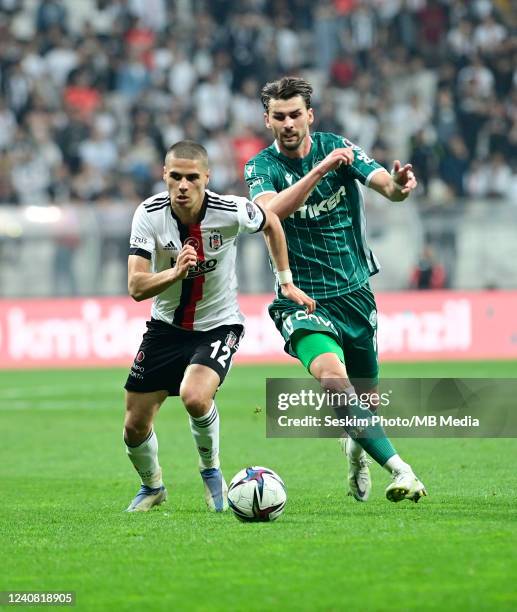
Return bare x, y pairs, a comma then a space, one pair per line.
231, 340
215, 239
192, 241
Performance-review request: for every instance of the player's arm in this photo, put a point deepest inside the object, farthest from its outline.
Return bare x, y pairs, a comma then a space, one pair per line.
143, 284
289, 200
395, 186
277, 246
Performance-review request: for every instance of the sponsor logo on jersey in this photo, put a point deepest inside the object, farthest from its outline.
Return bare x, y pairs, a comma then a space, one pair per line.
192, 241
251, 210
249, 170
215, 239
256, 182
320, 208
140, 357
231, 340
170, 246
291, 322
201, 267
289, 178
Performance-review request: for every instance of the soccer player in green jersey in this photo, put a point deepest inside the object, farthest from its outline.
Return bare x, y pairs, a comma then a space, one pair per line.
311, 182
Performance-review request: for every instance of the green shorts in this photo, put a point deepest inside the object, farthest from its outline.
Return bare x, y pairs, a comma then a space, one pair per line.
351, 319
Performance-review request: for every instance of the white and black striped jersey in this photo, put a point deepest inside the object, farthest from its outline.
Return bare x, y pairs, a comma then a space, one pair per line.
207, 298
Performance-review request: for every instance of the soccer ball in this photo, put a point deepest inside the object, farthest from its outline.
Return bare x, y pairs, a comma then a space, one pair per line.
257, 494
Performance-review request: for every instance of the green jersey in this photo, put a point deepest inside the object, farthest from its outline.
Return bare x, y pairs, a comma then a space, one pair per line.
326, 237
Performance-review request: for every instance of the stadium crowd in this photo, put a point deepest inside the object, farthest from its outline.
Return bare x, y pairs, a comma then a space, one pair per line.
94, 91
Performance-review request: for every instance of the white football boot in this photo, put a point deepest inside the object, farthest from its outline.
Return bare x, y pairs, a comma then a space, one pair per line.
147, 498
359, 480
216, 491
405, 485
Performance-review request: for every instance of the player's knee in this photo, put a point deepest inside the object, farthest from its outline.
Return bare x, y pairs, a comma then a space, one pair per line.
334, 380
135, 432
195, 400
137, 423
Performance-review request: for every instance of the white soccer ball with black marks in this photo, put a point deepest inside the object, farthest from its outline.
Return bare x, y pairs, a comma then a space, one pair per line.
257, 494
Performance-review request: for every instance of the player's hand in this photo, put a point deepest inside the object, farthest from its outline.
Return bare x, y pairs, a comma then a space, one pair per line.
404, 177
187, 258
336, 158
291, 292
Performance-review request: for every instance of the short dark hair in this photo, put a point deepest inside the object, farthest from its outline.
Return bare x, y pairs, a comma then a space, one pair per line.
188, 149
286, 88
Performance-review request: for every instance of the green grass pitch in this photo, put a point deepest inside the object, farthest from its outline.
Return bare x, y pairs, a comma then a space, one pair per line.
65, 481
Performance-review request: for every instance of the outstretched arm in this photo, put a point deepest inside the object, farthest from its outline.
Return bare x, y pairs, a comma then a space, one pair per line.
287, 201
277, 246
395, 186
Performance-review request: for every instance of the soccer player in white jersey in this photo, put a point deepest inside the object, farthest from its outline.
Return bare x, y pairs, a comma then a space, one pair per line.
182, 254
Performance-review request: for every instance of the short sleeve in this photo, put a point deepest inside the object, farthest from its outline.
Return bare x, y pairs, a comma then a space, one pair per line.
258, 178
142, 240
251, 217
364, 167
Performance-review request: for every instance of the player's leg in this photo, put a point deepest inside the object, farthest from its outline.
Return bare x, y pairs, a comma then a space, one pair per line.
310, 346
142, 447
355, 315
316, 340
156, 372
197, 392
331, 374
210, 362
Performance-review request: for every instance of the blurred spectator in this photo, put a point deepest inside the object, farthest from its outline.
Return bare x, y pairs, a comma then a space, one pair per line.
326, 35
67, 243
460, 40
118, 81
246, 108
7, 125
342, 70
223, 170
212, 116
423, 157
444, 116
245, 146
132, 76
93, 92
454, 164
139, 159
428, 272
61, 58
72, 132
51, 13
326, 121
81, 95
433, 24
489, 35
99, 151
477, 77
500, 174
